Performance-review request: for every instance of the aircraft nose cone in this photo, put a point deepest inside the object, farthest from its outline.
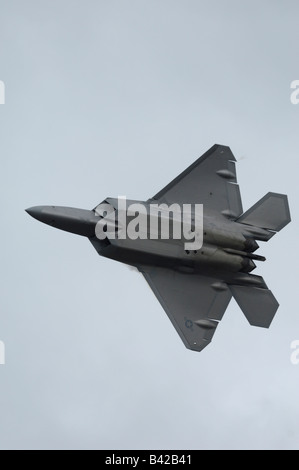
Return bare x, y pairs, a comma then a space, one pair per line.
70, 219
35, 212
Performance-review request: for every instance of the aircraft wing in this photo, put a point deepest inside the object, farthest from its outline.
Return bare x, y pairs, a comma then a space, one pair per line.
211, 180
194, 304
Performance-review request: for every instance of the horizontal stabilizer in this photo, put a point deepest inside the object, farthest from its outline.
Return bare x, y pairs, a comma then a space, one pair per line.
258, 305
271, 212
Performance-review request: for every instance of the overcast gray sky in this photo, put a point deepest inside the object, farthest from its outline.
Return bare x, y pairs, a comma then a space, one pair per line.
118, 97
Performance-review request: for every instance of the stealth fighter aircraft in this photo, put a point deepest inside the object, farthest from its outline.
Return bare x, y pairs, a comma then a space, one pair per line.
193, 283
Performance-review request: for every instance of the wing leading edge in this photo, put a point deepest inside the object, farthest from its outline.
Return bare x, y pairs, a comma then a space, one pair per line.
195, 304
211, 180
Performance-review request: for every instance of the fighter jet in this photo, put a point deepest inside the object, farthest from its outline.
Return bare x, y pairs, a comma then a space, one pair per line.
193, 285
